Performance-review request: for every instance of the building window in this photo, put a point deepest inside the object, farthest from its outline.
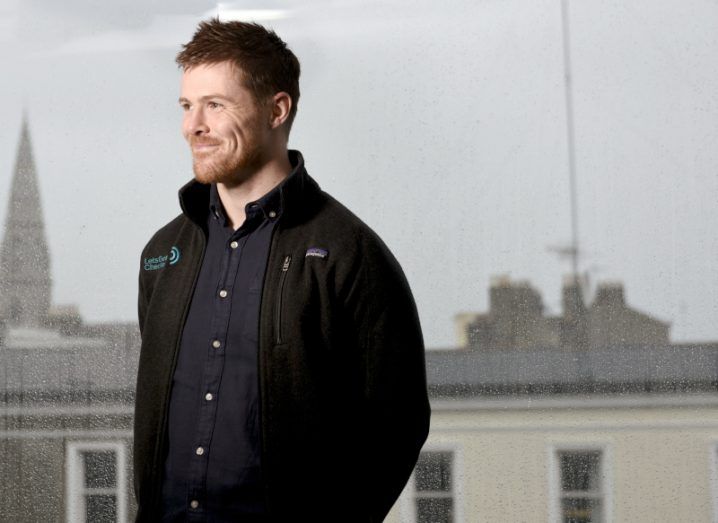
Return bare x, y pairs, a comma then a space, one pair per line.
96, 489
582, 496
433, 485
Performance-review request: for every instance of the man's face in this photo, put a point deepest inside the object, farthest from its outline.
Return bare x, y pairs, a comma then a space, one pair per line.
224, 125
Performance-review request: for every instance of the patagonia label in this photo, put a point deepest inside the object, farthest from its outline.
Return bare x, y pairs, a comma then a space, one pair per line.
317, 252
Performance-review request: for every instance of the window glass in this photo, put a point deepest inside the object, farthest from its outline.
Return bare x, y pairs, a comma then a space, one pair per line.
433, 483
100, 469
433, 472
543, 170
95, 481
434, 510
581, 510
580, 471
581, 496
101, 508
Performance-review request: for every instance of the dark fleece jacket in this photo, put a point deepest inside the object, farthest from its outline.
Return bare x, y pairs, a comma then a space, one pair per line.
344, 408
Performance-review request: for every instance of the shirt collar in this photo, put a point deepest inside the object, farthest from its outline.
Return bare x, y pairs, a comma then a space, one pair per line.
269, 205
292, 196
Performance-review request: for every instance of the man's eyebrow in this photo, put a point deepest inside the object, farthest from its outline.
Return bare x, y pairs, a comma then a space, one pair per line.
182, 99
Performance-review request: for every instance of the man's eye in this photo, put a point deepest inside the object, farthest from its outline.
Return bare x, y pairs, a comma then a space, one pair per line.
214, 105
185, 107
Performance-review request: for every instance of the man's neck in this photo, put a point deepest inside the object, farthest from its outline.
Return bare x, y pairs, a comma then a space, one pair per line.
236, 197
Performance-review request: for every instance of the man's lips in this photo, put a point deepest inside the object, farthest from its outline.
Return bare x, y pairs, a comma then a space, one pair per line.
203, 146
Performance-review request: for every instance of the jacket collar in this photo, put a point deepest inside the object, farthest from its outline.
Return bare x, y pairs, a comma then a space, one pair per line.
297, 193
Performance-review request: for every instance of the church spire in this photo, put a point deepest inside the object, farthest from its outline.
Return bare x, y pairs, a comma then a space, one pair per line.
25, 284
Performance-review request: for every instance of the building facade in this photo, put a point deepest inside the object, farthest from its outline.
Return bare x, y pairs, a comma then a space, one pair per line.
621, 427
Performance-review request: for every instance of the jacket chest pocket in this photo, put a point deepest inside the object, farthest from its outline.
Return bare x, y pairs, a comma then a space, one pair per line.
296, 307
279, 301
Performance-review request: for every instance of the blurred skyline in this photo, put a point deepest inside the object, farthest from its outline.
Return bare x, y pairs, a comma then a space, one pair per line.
442, 127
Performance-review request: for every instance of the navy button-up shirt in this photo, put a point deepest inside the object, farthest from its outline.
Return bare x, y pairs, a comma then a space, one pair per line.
212, 471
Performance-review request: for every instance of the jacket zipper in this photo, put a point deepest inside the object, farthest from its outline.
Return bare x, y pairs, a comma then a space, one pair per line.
278, 310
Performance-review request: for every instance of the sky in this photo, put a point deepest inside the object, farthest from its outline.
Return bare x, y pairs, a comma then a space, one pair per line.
441, 126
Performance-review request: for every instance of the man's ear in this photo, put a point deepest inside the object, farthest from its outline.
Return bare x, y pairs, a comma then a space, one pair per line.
281, 105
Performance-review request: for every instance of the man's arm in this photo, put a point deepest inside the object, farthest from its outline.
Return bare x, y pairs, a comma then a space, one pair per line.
142, 302
396, 405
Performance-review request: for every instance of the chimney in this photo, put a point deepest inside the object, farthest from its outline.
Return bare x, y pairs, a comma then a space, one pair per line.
610, 294
574, 324
573, 304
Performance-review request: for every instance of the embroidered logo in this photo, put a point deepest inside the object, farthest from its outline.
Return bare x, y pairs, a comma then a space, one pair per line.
317, 252
174, 255
160, 262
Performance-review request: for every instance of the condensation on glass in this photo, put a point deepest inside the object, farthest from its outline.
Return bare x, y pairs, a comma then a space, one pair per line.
569, 402
67, 387
581, 493
433, 496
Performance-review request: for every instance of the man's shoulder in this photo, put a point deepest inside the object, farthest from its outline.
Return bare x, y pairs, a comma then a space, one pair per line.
166, 235
342, 223
336, 223
363, 264
333, 210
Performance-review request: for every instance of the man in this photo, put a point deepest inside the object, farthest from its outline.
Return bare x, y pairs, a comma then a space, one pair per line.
281, 376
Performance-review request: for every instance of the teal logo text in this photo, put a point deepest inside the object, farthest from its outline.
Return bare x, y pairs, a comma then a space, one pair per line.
160, 262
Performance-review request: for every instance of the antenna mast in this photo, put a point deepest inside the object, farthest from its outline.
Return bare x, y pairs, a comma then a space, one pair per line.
573, 249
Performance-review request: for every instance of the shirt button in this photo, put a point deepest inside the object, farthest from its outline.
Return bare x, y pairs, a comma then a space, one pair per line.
272, 214
199, 451
234, 245
194, 503
223, 293
216, 344
208, 396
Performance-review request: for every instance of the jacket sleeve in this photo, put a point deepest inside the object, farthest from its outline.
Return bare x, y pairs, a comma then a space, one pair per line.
396, 407
142, 302
142, 295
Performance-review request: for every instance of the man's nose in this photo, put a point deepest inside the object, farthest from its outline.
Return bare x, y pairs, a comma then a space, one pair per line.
195, 122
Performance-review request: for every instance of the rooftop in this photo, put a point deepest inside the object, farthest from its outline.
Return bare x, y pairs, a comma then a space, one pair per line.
652, 369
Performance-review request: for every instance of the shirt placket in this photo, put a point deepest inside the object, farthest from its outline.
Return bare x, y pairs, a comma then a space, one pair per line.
212, 373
